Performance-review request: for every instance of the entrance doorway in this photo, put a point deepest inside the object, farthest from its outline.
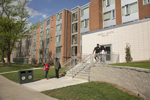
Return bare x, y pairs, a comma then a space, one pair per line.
107, 50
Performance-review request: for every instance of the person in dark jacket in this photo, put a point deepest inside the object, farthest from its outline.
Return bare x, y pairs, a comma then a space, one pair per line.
57, 67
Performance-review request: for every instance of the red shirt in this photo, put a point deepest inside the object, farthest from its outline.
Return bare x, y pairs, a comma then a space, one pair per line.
47, 67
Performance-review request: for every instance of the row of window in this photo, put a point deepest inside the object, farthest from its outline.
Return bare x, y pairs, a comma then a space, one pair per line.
126, 10
129, 9
107, 3
146, 2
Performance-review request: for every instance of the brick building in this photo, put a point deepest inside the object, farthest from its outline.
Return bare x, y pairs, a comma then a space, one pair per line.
63, 34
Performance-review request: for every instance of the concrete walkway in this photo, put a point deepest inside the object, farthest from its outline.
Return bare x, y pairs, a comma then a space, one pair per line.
54, 83
13, 91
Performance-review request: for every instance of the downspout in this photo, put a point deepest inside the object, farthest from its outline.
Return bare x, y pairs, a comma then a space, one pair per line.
66, 31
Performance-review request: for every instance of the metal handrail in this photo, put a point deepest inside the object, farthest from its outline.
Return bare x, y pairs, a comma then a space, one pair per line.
65, 63
76, 64
84, 59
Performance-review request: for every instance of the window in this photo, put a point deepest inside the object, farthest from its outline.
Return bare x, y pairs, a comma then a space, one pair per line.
58, 27
74, 51
108, 2
109, 15
146, 1
51, 38
59, 16
134, 7
46, 51
74, 17
47, 22
85, 23
51, 28
74, 39
58, 49
47, 41
37, 42
42, 25
41, 52
129, 9
85, 11
113, 14
41, 43
41, 34
37, 34
52, 18
74, 27
58, 38
47, 32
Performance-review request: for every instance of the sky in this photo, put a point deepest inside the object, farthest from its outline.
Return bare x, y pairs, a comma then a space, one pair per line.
42, 9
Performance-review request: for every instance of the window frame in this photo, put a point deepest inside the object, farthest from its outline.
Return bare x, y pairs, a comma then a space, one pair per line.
47, 22
74, 26
82, 11
148, 2
60, 27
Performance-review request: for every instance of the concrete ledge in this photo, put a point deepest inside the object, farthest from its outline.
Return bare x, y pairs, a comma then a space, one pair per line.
133, 79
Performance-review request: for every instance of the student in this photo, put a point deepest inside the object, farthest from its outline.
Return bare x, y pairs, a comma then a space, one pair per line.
97, 51
47, 69
103, 54
57, 67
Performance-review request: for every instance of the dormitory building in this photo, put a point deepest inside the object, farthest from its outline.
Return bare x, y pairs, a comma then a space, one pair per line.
110, 23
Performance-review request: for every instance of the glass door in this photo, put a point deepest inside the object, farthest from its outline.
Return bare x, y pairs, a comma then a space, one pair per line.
108, 55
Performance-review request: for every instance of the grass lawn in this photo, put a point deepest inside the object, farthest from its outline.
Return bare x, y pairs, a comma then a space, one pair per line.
90, 91
37, 74
15, 67
144, 64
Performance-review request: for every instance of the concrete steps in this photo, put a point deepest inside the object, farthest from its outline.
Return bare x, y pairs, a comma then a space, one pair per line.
79, 71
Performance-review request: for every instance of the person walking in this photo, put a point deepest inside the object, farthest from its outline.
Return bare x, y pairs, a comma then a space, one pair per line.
103, 54
57, 67
97, 51
46, 69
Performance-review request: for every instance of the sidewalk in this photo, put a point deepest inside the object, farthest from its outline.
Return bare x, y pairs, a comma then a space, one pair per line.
13, 91
54, 83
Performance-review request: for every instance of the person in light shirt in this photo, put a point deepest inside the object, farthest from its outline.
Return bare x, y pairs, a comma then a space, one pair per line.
103, 54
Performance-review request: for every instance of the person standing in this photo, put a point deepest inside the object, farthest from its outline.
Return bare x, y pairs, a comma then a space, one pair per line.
47, 69
97, 51
57, 68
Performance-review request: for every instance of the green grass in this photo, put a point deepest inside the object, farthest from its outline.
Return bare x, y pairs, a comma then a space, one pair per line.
37, 74
90, 91
144, 64
15, 67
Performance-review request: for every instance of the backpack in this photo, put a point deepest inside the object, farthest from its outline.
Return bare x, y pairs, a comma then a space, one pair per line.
44, 68
59, 66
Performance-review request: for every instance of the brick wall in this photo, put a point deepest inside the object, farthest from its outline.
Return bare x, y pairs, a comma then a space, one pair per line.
53, 35
96, 13
118, 12
144, 10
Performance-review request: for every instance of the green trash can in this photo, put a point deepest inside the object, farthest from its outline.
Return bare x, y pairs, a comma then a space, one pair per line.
29, 75
25, 76
22, 77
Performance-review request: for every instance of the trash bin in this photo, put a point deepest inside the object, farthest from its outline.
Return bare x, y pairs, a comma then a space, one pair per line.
25, 76
22, 77
29, 75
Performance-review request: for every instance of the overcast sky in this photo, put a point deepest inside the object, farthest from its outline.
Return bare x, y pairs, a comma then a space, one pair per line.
41, 9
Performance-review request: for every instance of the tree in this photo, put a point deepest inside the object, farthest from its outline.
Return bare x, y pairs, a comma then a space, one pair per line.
2, 52
13, 19
128, 53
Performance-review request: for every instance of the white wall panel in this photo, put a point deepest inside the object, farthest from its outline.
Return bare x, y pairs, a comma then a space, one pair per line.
138, 35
